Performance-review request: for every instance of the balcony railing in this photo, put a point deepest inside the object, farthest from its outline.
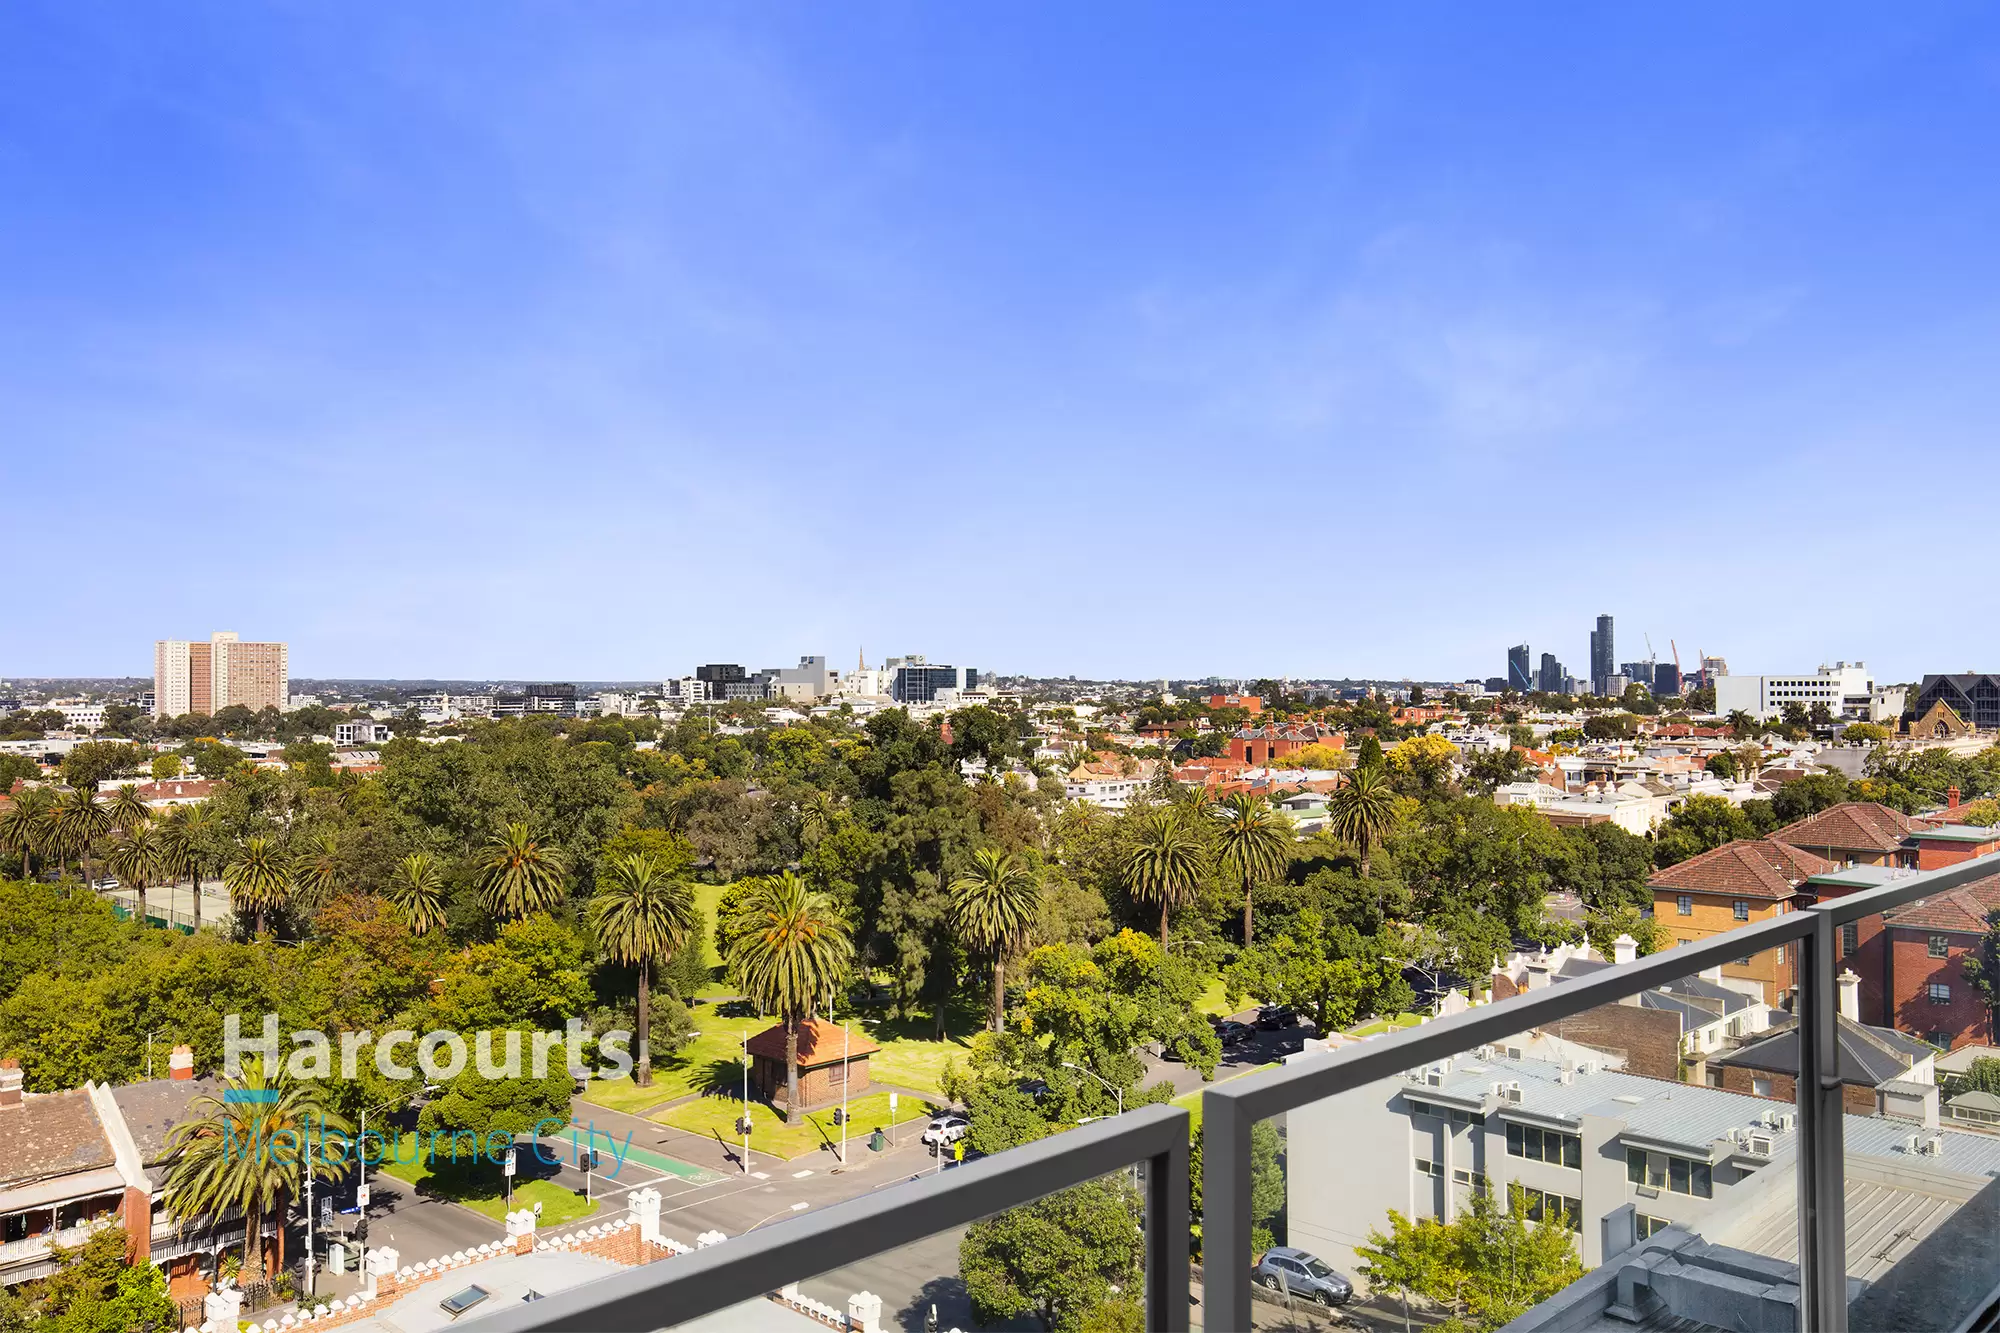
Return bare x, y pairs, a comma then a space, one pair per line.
749, 1266
37, 1247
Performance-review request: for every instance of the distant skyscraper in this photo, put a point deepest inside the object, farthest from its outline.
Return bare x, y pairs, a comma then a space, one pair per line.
1518, 675
1639, 673
194, 677
1603, 656
1550, 679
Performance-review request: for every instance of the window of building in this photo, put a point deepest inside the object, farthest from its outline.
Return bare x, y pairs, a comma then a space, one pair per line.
1660, 1171
1647, 1227
1473, 1178
1940, 992
1741, 908
1940, 946
1429, 1168
1760, 1084
1551, 1207
1545, 1145
1941, 1040
1850, 938
1635, 1165
1684, 905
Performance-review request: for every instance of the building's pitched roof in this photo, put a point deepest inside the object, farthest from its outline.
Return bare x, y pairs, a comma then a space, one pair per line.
1964, 908
1869, 1056
820, 1043
1746, 868
1850, 826
154, 1107
51, 1134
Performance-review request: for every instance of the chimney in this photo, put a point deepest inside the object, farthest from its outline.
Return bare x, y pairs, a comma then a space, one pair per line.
180, 1064
1951, 797
1850, 995
10, 1085
1624, 949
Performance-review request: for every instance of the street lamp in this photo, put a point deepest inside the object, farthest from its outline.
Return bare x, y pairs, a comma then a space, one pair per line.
1118, 1091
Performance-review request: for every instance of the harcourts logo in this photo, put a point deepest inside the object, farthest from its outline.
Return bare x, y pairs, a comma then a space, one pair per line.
434, 1057
331, 1147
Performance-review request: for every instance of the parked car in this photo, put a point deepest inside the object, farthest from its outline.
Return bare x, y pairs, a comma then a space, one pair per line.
946, 1129
1275, 1017
1233, 1033
1307, 1275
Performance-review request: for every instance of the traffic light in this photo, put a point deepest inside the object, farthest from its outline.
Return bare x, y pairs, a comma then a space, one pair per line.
840, 1115
743, 1125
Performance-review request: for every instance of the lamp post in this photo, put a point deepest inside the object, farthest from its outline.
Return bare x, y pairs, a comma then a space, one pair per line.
746, 1101
1116, 1091
149, 1052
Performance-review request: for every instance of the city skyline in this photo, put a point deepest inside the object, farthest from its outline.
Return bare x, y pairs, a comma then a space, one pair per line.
685, 338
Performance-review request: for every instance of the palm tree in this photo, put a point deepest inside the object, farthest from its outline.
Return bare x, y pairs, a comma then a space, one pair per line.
1741, 724
82, 819
417, 890
187, 832
1165, 863
128, 810
258, 879
222, 1155
139, 859
643, 914
794, 949
815, 816
317, 869
520, 875
24, 827
1360, 810
994, 906
1256, 844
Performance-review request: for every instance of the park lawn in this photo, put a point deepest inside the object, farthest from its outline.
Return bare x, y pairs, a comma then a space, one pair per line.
1213, 1001
913, 1062
1380, 1025
707, 897
479, 1186
710, 1060
771, 1135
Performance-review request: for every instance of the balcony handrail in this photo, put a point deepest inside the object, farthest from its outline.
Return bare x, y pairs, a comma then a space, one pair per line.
1229, 1111
748, 1266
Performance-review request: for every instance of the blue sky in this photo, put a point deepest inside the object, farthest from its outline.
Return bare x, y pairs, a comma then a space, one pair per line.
598, 341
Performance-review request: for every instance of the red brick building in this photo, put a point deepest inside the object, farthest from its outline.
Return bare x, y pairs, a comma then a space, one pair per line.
829, 1056
1928, 942
1249, 703
1949, 844
1261, 745
1751, 879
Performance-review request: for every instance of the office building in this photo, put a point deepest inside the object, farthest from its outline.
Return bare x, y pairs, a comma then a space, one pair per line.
914, 680
1603, 656
1666, 680
194, 677
727, 681
1639, 673
808, 682
1518, 675
1845, 688
1549, 679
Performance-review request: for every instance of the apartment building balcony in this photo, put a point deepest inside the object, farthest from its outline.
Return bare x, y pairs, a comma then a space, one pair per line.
1690, 1207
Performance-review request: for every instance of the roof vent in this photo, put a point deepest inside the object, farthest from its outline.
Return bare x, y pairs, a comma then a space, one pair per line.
1760, 1144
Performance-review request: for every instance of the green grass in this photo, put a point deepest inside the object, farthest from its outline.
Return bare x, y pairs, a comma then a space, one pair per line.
1191, 1101
715, 1117
480, 1187
1213, 1001
1381, 1025
706, 899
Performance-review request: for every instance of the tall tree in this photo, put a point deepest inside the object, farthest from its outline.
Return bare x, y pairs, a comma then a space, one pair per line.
140, 859
246, 1149
25, 827
1256, 844
316, 870
417, 891
188, 833
128, 810
1361, 809
1165, 863
81, 818
521, 873
259, 879
644, 914
790, 950
993, 905
1060, 1259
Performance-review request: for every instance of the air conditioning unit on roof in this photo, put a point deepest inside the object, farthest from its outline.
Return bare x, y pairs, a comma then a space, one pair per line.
1760, 1144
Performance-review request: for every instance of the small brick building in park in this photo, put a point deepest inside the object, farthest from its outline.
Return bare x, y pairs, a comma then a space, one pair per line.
832, 1059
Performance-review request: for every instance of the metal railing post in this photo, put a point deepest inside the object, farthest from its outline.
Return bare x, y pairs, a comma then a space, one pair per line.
1822, 1168
1225, 1216
1167, 1239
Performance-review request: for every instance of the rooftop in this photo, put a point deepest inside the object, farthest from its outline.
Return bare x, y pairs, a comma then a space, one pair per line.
1748, 868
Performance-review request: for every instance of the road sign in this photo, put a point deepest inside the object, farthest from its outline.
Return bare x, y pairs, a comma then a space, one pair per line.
326, 1210
360, 1197
507, 1167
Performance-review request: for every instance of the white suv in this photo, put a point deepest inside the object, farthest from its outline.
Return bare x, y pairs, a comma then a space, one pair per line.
946, 1129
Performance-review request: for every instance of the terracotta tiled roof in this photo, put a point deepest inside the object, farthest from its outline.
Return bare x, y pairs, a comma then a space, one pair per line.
1850, 826
815, 1035
1964, 908
1746, 868
51, 1135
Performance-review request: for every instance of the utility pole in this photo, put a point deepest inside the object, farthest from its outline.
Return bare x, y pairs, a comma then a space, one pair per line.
309, 1216
746, 1101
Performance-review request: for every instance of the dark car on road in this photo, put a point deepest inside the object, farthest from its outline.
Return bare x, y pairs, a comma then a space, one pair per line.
1232, 1033
1276, 1017
1308, 1276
